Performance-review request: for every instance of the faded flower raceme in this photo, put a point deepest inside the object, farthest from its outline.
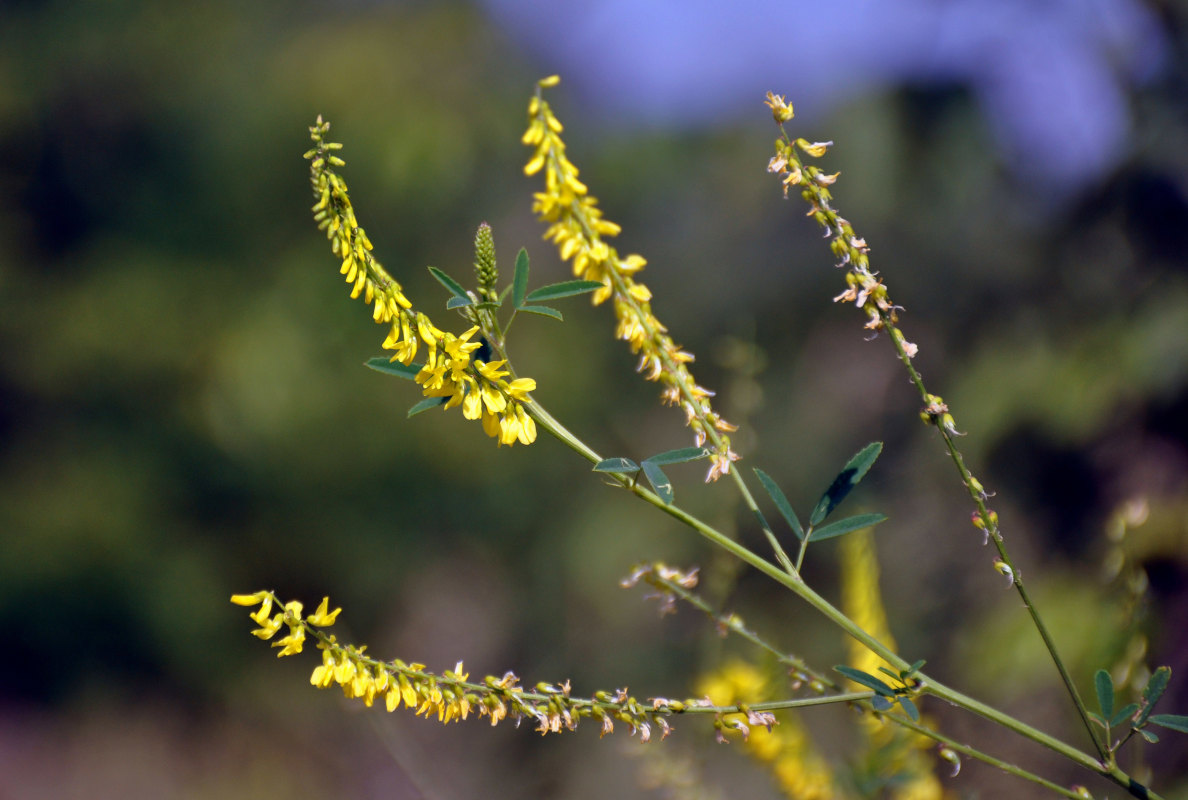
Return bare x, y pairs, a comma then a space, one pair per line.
449, 371
578, 229
862, 287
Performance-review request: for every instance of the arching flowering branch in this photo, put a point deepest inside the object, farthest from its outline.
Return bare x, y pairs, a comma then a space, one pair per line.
870, 294
449, 696
449, 372
862, 287
580, 232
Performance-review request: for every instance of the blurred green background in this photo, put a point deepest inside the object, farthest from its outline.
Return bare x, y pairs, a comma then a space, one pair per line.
184, 414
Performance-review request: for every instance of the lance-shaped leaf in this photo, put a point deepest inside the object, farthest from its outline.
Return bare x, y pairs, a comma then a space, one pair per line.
382, 364
616, 465
1156, 685
854, 471
1124, 713
678, 456
520, 279
847, 525
867, 680
544, 311
458, 302
426, 404
1105, 692
566, 289
909, 708
781, 502
1175, 722
454, 288
659, 481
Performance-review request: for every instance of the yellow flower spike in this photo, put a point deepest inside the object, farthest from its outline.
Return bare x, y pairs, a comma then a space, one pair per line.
577, 227
447, 371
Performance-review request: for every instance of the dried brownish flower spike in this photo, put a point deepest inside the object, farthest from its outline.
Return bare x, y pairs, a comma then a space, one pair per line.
863, 288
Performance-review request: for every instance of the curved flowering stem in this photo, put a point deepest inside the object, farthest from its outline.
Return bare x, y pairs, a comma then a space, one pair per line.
450, 371
450, 695
579, 230
869, 294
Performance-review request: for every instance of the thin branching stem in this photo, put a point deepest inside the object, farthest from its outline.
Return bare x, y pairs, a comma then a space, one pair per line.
874, 301
734, 625
797, 585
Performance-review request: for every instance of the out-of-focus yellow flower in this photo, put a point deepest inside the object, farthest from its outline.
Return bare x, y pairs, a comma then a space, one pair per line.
903, 752
799, 771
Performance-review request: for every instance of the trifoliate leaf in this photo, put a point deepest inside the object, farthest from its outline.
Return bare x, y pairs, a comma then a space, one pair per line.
854, 471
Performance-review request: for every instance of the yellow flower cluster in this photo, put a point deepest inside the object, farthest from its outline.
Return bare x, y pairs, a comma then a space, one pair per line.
862, 287
800, 772
449, 371
449, 696
578, 229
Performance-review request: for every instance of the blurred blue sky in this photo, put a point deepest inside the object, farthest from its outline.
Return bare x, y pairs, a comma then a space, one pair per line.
1049, 75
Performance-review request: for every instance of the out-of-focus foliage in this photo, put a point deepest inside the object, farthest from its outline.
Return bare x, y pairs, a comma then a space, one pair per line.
184, 414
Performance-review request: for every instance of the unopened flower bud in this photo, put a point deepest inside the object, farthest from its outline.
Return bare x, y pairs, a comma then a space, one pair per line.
950, 755
1005, 569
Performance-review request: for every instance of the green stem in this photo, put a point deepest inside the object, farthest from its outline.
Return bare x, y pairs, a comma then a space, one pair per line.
992, 530
829, 217
732, 624
797, 585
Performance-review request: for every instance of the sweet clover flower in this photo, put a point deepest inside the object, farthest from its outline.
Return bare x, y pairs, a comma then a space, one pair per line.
450, 371
577, 227
451, 695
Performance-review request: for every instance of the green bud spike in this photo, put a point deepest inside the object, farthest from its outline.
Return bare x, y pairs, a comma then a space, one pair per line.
484, 262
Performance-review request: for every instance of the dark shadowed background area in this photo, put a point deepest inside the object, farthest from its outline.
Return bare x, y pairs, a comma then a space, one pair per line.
184, 413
